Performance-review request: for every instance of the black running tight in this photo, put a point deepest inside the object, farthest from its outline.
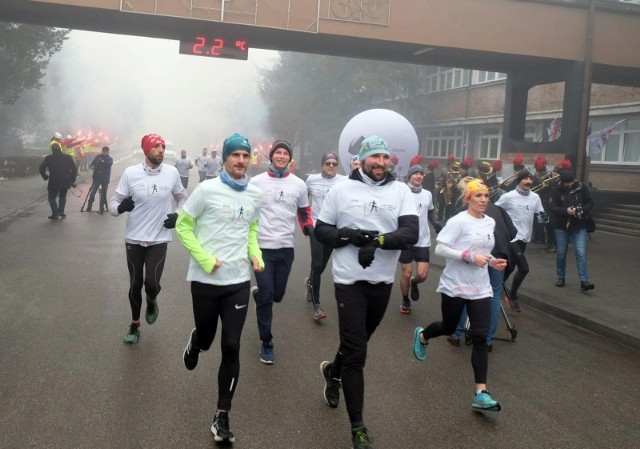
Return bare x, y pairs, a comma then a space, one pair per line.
145, 264
229, 304
479, 316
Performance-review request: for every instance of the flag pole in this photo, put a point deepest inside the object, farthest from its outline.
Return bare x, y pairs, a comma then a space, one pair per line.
581, 162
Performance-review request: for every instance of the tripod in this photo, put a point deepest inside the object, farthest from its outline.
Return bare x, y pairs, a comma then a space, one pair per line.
512, 330
87, 197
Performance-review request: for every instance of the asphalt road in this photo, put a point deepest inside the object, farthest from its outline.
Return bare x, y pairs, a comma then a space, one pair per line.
68, 381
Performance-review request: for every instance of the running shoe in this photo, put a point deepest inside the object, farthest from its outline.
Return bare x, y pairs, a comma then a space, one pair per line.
152, 310
360, 438
586, 286
318, 313
266, 354
307, 289
331, 385
191, 352
132, 336
220, 428
405, 308
62, 215
52, 217
483, 401
415, 293
419, 348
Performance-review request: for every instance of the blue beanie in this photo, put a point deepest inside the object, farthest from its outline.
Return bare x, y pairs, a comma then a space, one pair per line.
373, 145
234, 143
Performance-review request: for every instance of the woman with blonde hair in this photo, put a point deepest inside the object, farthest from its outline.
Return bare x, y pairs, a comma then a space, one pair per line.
466, 242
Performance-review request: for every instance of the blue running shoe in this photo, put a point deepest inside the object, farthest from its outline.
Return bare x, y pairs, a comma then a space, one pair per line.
266, 354
419, 348
483, 401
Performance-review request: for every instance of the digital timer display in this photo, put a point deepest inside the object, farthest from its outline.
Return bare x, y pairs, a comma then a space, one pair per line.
215, 47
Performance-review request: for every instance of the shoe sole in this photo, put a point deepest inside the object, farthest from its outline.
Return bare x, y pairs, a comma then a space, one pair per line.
493, 408
267, 362
405, 311
324, 390
322, 316
220, 439
127, 342
184, 354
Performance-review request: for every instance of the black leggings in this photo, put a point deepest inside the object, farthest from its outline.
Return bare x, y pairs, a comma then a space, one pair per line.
479, 316
517, 254
361, 307
145, 264
320, 255
229, 304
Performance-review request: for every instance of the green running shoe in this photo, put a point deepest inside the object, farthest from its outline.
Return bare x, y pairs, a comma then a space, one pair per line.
419, 348
483, 401
152, 311
360, 438
133, 335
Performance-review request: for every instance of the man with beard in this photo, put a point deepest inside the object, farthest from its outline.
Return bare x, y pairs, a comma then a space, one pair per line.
368, 219
145, 191
522, 205
219, 228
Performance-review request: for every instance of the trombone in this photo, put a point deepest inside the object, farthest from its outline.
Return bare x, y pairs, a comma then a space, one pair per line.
553, 178
506, 182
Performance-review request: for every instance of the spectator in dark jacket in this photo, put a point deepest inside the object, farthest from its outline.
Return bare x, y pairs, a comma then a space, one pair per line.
101, 167
60, 170
570, 204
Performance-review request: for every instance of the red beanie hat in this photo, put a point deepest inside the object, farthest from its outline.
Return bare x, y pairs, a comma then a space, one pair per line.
497, 165
149, 141
566, 163
468, 161
517, 160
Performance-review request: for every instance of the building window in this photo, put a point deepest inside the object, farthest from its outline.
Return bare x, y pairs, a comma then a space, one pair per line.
490, 143
487, 77
438, 79
441, 143
623, 145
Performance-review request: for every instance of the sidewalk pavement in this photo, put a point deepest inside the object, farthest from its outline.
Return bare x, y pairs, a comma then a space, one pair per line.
612, 309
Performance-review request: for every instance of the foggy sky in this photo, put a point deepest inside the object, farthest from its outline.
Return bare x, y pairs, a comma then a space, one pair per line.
131, 86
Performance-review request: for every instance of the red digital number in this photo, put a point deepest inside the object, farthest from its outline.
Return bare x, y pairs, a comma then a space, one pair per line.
197, 48
217, 45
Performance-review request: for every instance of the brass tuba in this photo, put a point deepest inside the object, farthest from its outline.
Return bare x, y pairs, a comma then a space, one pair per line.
453, 176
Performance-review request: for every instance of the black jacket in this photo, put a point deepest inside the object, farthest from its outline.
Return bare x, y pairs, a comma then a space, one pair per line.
62, 170
575, 196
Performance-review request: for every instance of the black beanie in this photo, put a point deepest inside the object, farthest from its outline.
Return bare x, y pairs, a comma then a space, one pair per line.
566, 176
280, 144
524, 174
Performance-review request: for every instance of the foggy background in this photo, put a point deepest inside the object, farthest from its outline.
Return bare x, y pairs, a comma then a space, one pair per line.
130, 86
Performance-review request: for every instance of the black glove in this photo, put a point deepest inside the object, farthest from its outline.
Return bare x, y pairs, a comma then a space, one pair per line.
307, 230
126, 205
170, 222
357, 237
437, 227
367, 253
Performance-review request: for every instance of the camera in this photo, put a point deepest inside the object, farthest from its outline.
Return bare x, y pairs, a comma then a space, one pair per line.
579, 212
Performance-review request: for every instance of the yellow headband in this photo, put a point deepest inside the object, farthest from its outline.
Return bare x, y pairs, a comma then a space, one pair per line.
474, 186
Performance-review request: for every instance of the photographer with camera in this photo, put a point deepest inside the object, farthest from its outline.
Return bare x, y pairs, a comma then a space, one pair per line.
101, 167
571, 203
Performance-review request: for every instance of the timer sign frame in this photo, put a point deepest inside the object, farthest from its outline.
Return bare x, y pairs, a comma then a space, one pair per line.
215, 47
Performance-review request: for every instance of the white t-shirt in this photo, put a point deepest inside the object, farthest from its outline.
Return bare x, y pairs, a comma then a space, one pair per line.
522, 210
201, 161
152, 194
222, 218
424, 203
354, 204
214, 165
317, 188
281, 198
459, 278
183, 165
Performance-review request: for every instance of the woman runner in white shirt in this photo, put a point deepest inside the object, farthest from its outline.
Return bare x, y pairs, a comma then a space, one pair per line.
466, 242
